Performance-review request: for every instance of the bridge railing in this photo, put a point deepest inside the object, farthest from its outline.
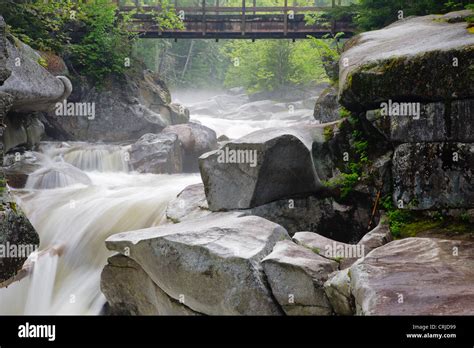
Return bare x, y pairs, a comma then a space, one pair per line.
247, 7
244, 13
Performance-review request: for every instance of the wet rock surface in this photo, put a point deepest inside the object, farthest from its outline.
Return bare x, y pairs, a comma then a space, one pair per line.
433, 175
413, 276
157, 153
417, 53
228, 277
261, 167
296, 276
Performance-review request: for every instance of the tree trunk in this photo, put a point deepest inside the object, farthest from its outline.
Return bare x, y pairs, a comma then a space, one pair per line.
188, 59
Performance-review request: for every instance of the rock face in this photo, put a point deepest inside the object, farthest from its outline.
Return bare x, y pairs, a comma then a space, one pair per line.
211, 264
413, 276
437, 122
28, 88
324, 215
418, 53
434, 175
18, 238
22, 130
128, 108
327, 107
33, 88
296, 276
130, 291
261, 167
157, 153
196, 140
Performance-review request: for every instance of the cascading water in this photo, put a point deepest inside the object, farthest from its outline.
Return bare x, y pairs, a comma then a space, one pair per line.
83, 193
73, 222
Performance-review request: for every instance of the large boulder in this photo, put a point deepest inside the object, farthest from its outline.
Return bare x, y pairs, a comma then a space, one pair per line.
18, 238
56, 175
261, 167
130, 106
22, 130
296, 276
423, 58
130, 291
196, 140
211, 264
33, 88
413, 276
157, 154
433, 175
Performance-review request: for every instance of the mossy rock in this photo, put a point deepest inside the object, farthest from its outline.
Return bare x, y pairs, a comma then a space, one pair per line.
418, 59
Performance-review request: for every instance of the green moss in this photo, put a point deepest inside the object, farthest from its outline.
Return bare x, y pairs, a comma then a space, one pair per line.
413, 228
328, 133
344, 113
42, 62
447, 226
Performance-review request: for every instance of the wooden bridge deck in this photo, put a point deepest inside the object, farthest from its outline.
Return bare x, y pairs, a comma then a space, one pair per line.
245, 22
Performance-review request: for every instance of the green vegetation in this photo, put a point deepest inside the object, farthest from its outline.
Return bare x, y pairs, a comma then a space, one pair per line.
102, 40
397, 218
355, 168
376, 14
409, 223
328, 133
272, 64
329, 49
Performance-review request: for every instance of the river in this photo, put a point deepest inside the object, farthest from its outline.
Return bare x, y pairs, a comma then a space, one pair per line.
74, 219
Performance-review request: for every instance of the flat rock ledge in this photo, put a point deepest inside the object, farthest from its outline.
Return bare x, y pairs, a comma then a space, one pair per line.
412, 276
212, 265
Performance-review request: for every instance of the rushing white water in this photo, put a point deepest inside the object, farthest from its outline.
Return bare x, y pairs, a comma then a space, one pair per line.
83, 193
74, 222
235, 116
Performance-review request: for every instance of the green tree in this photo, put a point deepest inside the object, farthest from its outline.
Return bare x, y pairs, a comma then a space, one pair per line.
376, 14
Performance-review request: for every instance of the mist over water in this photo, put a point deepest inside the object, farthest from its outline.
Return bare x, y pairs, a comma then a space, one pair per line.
234, 115
83, 193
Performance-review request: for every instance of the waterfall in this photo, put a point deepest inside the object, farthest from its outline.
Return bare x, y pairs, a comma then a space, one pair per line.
89, 157
102, 159
73, 222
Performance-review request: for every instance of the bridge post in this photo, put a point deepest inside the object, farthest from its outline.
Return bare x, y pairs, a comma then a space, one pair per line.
203, 17
285, 18
333, 24
242, 28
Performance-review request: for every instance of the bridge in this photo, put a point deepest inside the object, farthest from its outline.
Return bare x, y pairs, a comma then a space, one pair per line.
243, 22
